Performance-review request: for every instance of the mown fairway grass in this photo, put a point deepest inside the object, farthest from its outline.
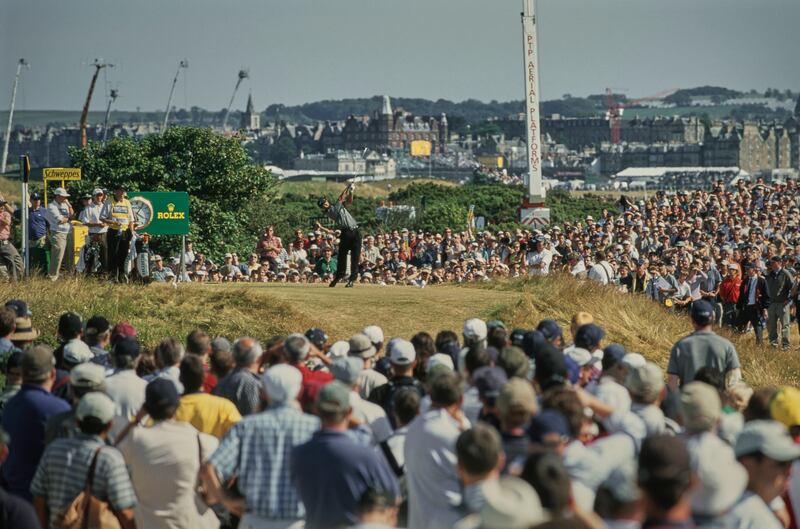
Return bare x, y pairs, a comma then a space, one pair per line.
265, 310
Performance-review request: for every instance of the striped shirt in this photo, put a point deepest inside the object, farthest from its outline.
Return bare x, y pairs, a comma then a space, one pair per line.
62, 473
257, 450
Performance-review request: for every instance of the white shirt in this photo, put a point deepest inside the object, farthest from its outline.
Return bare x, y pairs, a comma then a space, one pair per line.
126, 389
434, 492
750, 512
164, 461
91, 213
602, 273
579, 268
544, 258
373, 417
612, 393
54, 213
472, 404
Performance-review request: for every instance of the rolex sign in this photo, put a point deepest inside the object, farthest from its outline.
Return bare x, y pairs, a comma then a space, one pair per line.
160, 213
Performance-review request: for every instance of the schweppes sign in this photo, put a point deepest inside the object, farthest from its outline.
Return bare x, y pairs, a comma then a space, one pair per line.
170, 212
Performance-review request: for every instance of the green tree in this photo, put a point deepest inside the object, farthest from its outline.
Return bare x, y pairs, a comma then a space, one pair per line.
224, 185
284, 152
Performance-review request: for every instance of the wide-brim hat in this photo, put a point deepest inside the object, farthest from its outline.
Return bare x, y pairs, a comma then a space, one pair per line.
24, 331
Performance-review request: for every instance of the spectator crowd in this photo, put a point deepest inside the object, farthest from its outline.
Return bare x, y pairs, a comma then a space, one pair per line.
491, 428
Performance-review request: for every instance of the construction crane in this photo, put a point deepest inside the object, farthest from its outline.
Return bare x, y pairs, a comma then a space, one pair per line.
243, 74
113, 95
98, 65
615, 109
181, 65
20, 64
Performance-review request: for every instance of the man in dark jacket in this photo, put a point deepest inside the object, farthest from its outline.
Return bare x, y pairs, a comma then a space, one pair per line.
753, 301
779, 287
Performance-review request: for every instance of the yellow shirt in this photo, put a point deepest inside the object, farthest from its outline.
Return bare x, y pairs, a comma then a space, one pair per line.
208, 413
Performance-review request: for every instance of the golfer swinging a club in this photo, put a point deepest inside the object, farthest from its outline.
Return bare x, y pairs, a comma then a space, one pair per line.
350, 238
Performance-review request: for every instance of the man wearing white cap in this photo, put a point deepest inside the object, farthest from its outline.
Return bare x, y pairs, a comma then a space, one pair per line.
97, 228
248, 451
403, 358
59, 214
767, 452
346, 370
65, 465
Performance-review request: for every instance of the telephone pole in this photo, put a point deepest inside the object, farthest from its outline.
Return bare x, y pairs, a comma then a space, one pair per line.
20, 64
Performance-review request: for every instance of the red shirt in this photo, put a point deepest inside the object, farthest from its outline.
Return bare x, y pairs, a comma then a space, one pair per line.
209, 381
312, 383
729, 289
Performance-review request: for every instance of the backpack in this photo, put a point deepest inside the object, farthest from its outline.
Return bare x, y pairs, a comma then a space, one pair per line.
86, 511
388, 400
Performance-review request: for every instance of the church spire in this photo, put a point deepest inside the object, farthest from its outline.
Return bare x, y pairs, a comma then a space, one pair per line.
387, 106
250, 107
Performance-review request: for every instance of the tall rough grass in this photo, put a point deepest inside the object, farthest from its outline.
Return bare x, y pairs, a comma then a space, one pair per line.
158, 311
263, 311
638, 323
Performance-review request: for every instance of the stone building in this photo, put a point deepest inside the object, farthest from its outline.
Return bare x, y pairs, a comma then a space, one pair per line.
250, 119
386, 130
577, 133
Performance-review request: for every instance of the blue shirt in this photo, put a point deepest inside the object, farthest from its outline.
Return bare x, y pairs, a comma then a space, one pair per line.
332, 472
24, 418
37, 224
257, 450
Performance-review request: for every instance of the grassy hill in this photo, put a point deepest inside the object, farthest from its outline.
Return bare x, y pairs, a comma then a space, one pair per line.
275, 309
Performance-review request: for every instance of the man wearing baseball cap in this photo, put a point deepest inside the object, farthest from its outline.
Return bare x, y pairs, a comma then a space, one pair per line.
27, 436
403, 358
332, 471
164, 461
37, 232
767, 451
91, 216
346, 370
248, 452
362, 347
65, 465
702, 348
59, 215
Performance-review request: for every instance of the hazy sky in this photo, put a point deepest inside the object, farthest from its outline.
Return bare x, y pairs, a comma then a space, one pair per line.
305, 50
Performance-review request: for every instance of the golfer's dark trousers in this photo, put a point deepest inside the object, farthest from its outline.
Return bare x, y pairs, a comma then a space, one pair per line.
349, 243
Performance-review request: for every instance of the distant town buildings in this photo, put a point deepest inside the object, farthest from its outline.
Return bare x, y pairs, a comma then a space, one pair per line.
379, 144
352, 162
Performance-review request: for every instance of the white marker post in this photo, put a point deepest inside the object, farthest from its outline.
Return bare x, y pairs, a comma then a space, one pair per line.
532, 210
